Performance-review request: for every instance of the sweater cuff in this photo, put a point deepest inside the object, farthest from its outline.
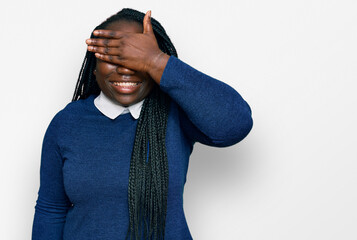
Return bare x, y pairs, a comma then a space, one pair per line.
174, 67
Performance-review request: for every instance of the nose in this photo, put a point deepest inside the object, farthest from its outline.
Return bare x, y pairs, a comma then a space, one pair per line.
124, 71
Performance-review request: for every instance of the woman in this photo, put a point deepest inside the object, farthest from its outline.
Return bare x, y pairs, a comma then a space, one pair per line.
108, 174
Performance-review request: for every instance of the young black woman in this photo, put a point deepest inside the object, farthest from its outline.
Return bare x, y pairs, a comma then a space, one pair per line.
107, 174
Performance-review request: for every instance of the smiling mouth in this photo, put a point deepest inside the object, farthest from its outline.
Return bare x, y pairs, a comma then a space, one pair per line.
125, 84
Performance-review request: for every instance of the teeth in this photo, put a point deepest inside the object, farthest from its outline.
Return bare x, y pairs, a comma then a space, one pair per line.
125, 84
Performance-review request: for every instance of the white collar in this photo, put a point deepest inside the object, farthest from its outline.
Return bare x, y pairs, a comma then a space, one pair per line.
112, 109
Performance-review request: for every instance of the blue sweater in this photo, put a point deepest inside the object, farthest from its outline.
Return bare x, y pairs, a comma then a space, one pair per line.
85, 157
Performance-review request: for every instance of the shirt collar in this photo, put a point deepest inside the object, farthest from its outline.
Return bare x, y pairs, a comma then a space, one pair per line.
112, 109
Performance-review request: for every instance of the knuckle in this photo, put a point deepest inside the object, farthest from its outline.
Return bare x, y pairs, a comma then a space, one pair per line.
105, 42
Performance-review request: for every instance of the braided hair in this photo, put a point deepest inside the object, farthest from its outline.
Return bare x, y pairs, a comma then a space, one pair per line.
148, 174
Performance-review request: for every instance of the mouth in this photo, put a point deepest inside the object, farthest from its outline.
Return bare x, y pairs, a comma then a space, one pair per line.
125, 87
125, 83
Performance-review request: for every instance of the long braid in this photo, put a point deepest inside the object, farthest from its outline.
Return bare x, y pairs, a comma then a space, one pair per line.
149, 173
148, 178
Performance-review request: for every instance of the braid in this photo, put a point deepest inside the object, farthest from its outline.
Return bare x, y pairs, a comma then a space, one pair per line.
149, 173
148, 176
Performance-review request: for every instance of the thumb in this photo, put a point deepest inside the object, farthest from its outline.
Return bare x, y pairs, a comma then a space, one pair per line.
147, 23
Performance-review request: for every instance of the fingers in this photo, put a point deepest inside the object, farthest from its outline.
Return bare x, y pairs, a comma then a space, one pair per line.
109, 33
147, 23
110, 58
103, 42
105, 50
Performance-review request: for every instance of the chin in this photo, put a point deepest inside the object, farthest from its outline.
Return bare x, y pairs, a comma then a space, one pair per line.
126, 102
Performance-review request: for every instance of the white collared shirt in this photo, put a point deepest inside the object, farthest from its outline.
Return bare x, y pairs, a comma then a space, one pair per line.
112, 109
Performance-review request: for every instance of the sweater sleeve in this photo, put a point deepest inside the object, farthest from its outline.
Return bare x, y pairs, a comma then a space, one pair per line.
52, 202
211, 112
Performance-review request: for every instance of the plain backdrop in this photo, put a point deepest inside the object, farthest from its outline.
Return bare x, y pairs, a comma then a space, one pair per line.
295, 62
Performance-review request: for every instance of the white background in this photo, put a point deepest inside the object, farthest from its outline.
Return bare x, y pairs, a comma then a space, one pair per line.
295, 62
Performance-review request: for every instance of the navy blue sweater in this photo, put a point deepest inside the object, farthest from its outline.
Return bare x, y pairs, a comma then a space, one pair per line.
85, 157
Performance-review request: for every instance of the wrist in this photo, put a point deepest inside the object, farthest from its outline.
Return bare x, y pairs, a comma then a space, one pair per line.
158, 65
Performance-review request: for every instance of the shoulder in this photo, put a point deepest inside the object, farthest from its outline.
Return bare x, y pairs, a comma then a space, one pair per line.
77, 107
72, 112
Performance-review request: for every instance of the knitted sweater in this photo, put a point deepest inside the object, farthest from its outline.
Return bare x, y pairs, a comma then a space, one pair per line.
85, 157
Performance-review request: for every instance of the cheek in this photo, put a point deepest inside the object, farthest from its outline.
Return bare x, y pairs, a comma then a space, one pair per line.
149, 84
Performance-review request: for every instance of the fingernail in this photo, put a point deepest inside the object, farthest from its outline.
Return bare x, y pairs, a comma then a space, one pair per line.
150, 14
96, 32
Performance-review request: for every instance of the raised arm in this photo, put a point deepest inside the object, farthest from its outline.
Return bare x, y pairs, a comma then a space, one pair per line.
213, 113
52, 203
